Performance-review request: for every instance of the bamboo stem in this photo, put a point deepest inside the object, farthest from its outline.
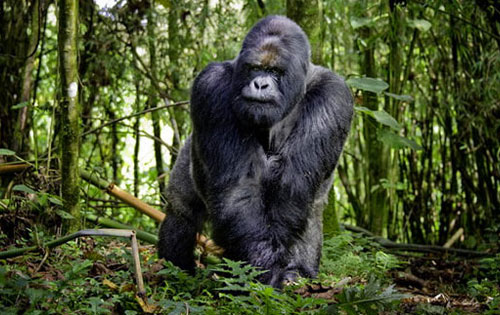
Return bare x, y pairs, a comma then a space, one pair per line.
454, 238
124, 196
141, 235
12, 168
137, 264
136, 203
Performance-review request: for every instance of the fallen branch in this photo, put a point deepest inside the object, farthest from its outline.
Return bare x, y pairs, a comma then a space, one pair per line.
209, 250
110, 188
434, 249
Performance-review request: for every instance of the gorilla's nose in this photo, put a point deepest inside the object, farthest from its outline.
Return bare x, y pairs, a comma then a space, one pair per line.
261, 83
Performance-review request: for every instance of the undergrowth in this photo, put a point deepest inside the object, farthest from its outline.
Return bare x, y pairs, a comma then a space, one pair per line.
93, 276
356, 256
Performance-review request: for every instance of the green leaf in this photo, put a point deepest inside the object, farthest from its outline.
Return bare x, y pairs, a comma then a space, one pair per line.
368, 84
20, 105
357, 22
56, 201
24, 188
385, 119
420, 24
7, 152
396, 141
380, 116
403, 98
370, 299
42, 199
5, 202
64, 214
364, 110
164, 3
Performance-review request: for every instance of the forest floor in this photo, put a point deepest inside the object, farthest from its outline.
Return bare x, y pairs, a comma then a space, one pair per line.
432, 285
437, 282
95, 276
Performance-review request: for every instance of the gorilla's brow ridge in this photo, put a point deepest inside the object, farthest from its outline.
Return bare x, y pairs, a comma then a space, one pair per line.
270, 46
270, 53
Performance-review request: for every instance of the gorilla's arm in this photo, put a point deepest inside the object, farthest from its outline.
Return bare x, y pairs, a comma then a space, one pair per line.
314, 145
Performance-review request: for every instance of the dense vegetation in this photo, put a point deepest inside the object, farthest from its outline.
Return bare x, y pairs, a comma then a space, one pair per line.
91, 96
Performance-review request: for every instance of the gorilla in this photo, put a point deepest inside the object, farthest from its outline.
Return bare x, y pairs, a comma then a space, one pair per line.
268, 130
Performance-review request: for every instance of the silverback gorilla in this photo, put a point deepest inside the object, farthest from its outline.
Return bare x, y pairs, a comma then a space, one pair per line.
268, 129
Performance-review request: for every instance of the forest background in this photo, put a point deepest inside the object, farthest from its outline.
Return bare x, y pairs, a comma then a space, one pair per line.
105, 90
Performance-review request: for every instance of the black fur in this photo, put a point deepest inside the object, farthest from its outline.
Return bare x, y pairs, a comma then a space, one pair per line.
268, 129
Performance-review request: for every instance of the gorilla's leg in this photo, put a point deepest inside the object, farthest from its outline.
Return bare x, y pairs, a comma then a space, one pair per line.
305, 254
185, 215
177, 241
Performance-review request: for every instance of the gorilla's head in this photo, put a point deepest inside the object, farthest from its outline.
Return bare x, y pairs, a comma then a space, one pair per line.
270, 72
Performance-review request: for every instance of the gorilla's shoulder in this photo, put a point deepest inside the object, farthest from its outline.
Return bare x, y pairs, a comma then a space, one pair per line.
216, 75
319, 76
324, 82
209, 94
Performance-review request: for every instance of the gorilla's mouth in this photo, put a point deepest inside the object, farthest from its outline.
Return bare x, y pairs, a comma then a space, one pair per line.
260, 101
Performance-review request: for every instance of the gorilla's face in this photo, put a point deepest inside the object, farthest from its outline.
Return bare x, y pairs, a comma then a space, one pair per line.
264, 85
270, 72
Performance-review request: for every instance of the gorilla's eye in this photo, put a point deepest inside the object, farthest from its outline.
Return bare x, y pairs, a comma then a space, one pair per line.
252, 67
275, 71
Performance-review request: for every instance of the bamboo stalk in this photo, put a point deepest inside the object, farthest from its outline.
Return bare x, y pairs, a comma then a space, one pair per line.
94, 179
136, 203
124, 196
454, 238
141, 235
137, 265
12, 168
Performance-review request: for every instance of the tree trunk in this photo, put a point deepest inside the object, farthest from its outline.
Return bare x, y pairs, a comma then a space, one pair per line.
309, 16
376, 154
17, 50
396, 36
69, 111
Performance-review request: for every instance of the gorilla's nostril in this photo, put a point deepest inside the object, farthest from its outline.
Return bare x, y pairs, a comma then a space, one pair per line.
260, 83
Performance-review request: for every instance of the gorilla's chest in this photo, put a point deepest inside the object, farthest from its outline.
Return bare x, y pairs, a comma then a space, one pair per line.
266, 160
